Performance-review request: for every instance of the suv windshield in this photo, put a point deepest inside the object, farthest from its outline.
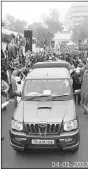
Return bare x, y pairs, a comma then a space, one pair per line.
35, 89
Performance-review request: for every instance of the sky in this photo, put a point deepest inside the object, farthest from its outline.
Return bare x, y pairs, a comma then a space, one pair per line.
33, 11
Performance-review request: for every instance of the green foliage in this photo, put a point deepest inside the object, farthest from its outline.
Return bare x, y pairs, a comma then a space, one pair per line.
16, 25
52, 21
41, 33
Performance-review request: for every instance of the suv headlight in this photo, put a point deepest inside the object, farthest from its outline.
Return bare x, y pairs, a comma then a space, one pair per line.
70, 125
17, 125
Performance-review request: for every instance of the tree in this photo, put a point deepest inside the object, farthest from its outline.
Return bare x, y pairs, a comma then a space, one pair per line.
52, 21
16, 25
44, 37
9, 22
41, 33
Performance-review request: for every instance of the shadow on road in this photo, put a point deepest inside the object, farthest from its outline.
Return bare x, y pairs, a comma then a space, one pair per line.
41, 152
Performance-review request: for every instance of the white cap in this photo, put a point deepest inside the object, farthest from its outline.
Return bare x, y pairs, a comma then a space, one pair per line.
77, 70
18, 79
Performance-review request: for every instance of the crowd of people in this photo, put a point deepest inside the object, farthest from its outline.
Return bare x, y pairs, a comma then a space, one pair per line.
13, 73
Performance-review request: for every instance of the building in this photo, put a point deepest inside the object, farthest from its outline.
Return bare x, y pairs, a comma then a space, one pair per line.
76, 14
60, 37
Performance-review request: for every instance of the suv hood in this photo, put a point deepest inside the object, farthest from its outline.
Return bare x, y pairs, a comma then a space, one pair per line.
52, 111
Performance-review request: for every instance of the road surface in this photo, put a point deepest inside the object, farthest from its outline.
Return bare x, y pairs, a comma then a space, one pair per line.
41, 159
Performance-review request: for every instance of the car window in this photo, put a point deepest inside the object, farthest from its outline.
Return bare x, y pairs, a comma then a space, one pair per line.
57, 87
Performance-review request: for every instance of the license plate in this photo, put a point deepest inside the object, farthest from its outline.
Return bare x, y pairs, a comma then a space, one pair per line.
42, 141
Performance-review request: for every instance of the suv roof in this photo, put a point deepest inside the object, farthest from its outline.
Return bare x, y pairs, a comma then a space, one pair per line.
49, 73
52, 64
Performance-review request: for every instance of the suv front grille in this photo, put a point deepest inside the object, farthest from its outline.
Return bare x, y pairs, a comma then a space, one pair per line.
49, 129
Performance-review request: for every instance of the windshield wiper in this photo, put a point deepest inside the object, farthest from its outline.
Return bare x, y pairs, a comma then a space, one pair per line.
59, 96
31, 98
37, 97
43, 96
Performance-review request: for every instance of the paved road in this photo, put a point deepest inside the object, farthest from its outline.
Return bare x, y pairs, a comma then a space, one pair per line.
39, 159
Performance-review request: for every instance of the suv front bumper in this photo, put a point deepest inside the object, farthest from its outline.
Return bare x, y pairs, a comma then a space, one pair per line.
67, 140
